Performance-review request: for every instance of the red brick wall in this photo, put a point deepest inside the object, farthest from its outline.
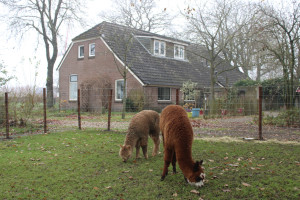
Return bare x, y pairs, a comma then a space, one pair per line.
102, 66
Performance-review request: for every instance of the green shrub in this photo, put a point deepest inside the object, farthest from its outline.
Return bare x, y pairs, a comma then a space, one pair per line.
284, 118
2, 110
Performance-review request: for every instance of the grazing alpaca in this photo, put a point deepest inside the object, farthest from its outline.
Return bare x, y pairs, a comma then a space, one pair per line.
178, 136
142, 125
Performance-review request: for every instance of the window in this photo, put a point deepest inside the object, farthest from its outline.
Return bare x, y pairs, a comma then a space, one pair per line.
80, 51
119, 92
164, 94
73, 88
159, 48
92, 49
178, 51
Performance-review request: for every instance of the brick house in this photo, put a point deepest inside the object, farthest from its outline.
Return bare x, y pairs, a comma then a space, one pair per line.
157, 65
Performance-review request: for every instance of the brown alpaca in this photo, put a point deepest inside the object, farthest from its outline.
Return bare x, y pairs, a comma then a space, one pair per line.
178, 136
142, 125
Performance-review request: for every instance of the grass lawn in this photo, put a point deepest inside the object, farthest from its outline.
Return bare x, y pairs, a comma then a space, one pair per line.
85, 165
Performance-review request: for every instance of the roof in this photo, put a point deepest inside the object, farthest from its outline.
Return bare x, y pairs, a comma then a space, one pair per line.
151, 69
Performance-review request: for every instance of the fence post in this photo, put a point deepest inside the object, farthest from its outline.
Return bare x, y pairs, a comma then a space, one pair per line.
78, 102
7, 116
260, 113
177, 96
45, 110
109, 109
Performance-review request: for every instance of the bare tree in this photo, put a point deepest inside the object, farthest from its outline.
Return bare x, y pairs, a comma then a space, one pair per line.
209, 26
282, 28
139, 14
46, 18
4, 76
121, 41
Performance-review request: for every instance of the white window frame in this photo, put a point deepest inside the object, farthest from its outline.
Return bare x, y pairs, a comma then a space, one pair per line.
164, 99
159, 48
71, 85
180, 53
116, 90
79, 47
90, 48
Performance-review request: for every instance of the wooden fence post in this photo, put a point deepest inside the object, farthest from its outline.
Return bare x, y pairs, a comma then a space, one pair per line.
6, 116
177, 96
260, 113
79, 116
109, 109
45, 110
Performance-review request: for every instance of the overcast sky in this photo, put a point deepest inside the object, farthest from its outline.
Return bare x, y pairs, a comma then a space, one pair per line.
16, 54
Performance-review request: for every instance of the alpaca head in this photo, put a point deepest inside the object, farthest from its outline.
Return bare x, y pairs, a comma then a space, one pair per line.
125, 152
197, 177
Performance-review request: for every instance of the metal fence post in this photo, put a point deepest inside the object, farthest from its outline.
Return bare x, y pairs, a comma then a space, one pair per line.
109, 109
45, 110
78, 102
7, 116
260, 113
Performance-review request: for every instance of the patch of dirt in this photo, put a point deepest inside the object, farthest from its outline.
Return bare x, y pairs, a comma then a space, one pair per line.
242, 127
235, 127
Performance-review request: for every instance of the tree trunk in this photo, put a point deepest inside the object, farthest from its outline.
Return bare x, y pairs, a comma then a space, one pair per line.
49, 85
124, 97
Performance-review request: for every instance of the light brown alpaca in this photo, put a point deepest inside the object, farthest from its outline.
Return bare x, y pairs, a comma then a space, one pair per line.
178, 136
142, 125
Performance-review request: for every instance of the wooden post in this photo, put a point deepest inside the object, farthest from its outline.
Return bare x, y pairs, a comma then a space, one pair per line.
177, 96
45, 110
79, 116
260, 113
7, 116
109, 109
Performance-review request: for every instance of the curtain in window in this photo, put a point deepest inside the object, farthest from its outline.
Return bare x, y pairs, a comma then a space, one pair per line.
164, 94
120, 92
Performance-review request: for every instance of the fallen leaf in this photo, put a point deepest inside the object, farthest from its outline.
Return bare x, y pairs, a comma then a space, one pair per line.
227, 190
126, 171
226, 185
96, 188
195, 192
108, 187
175, 194
211, 160
246, 184
150, 170
130, 177
261, 189
225, 158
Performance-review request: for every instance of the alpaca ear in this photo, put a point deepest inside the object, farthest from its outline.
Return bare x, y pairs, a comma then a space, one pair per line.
201, 162
196, 166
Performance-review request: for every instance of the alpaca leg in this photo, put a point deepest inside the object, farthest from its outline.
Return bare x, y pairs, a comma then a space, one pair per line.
144, 143
167, 159
137, 146
174, 163
156, 142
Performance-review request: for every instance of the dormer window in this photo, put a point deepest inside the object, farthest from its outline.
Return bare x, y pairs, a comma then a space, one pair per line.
179, 52
159, 48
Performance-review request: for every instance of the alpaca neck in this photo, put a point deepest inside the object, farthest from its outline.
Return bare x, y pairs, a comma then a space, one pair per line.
185, 162
130, 140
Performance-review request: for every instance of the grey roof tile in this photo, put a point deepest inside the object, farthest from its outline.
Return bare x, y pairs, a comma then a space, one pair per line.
155, 70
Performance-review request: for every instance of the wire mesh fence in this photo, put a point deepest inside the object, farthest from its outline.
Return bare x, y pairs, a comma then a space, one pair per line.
233, 111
